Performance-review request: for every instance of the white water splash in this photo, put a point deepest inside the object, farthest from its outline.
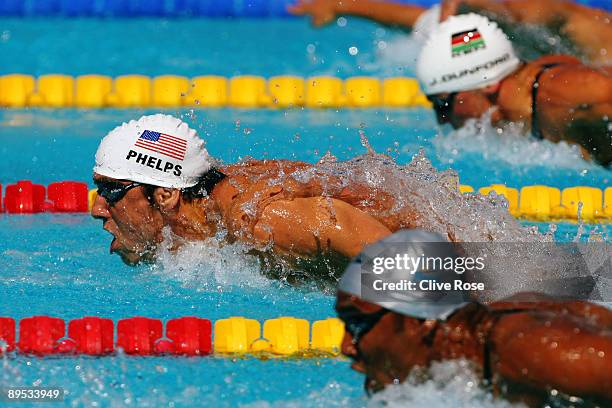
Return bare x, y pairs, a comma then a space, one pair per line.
209, 264
400, 51
508, 144
415, 195
452, 384
423, 197
519, 258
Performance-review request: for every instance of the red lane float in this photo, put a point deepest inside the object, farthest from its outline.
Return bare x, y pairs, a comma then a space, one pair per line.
142, 336
68, 196
137, 335
92, 335
7, 334
191, 335
24, 198
40, 335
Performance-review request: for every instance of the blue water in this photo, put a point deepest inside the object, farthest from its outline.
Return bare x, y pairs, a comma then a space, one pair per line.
187, 47
48, 145
59, 264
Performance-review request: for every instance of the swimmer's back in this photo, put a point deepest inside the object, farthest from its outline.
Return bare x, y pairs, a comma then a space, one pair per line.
253, 185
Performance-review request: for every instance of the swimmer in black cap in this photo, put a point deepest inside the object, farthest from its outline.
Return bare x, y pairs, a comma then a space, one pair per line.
529, 347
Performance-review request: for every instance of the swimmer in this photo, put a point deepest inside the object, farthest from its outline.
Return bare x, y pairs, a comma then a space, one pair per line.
155, 173
588, 29
468, 67
527, 348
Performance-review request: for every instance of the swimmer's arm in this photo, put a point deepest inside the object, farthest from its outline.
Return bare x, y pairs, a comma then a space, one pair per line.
383, 12
309, 226
549, 351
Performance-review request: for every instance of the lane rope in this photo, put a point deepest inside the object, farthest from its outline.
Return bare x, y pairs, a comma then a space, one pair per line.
187, 336
208, 91
533, 203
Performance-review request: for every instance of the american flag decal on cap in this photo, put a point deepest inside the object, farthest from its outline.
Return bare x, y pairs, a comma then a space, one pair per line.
167, 145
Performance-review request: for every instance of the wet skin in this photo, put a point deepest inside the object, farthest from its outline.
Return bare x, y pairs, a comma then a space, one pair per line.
574, 104
294, 218
390, 350
534, 346
457, 108
133, 222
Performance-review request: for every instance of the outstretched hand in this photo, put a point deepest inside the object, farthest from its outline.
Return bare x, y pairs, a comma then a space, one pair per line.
321, 11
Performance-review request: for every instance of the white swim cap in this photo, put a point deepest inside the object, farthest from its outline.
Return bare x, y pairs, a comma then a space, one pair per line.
160, 150
361, 275
465, 52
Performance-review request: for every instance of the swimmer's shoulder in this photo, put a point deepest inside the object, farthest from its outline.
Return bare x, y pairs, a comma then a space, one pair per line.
573, 83
263, 167
253, 184
528, 72
516, 90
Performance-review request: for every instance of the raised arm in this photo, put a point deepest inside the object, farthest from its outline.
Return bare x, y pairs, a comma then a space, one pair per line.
310, 226
384, 12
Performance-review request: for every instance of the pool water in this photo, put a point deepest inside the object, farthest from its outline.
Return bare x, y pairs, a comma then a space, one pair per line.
59, 265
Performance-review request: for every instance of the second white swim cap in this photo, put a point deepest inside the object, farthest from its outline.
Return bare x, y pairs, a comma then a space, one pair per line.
160, 150
465, 52
360, 277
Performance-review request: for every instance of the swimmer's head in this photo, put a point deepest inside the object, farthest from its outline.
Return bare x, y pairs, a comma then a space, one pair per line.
461, 64
145, 170
465, 52
387, 331
412, 256
159, 150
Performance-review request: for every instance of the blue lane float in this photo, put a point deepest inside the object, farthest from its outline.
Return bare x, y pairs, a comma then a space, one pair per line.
11, 8
173, 8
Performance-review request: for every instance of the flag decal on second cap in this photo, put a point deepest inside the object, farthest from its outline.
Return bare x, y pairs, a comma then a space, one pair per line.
466, 42
167, 145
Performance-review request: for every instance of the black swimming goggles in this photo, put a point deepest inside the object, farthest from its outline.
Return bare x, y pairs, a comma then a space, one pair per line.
114, 191
357, 323
443, 104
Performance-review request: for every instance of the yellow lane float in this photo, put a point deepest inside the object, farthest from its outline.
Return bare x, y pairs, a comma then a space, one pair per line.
172, 91
283, 336
545, 204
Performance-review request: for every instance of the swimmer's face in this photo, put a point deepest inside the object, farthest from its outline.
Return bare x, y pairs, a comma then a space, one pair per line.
132, 220
457, 107
389, 350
